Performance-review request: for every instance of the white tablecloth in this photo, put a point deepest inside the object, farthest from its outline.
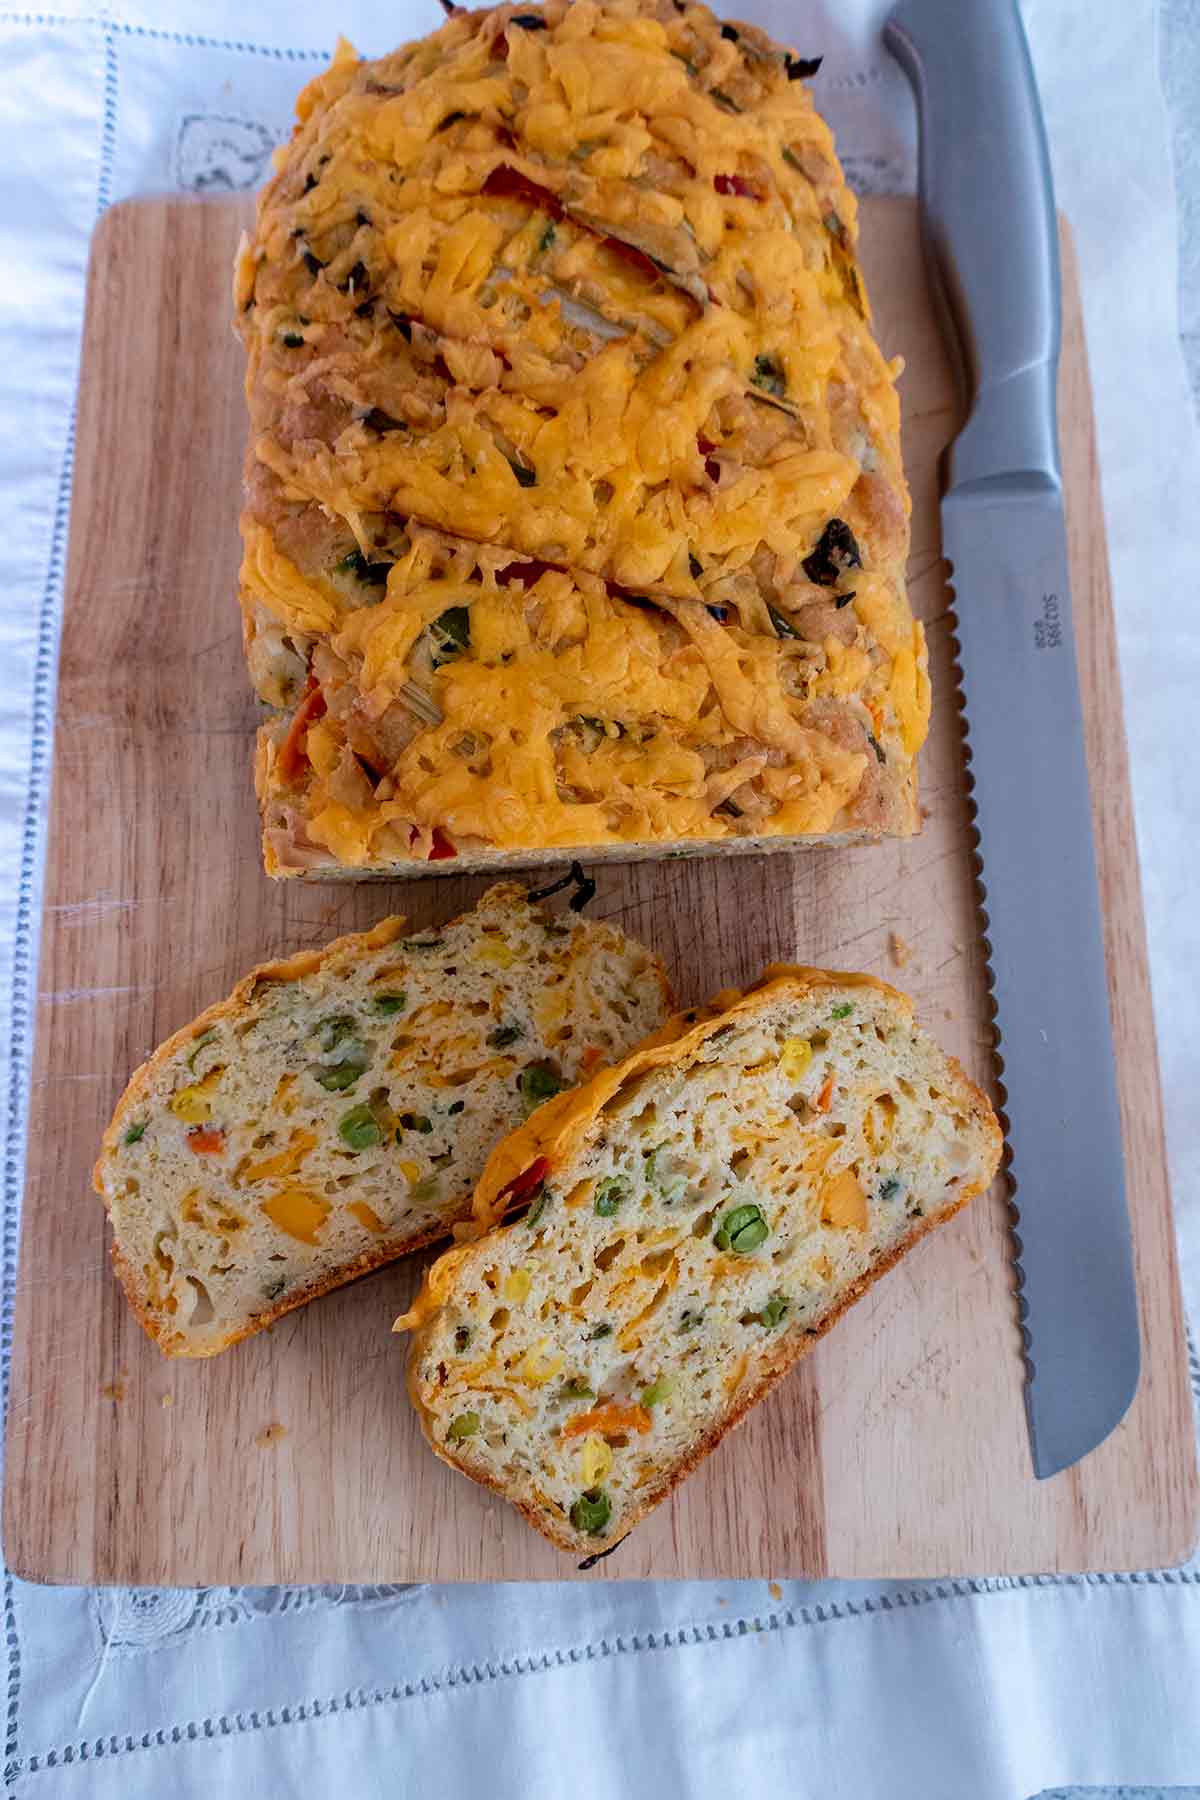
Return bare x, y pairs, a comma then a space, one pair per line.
982, 1688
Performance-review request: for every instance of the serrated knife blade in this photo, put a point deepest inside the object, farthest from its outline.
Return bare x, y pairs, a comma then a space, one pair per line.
990, 229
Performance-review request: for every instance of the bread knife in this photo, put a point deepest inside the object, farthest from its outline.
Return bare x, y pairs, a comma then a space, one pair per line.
990, 230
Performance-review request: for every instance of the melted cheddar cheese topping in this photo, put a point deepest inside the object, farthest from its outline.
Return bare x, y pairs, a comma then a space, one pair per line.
575, 513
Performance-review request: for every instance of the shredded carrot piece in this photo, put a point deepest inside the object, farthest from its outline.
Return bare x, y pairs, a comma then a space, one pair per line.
825, 1097
591, 1056
609, 1420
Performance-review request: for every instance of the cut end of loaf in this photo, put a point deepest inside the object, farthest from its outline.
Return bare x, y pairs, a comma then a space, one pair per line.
337, 1110
695, 1219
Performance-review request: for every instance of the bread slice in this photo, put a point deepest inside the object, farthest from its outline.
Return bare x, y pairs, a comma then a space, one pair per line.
337, 1109
696, 1218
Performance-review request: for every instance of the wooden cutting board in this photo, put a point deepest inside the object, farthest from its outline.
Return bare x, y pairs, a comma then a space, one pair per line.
898, 1448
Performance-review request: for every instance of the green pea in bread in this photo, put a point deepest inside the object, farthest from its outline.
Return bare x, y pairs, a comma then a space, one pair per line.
337, 1109
695, 1219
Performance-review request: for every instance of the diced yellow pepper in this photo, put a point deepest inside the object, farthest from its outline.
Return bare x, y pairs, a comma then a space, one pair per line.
595, 1459
794, 1058
297, 1212
194, 1104
517, 1287
537, 1368
843, 1202
496, 951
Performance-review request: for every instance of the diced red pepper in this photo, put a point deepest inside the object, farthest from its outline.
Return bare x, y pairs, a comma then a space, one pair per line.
206, 1140
441, 846
292, 751
507, 183
737, 184
523, 1184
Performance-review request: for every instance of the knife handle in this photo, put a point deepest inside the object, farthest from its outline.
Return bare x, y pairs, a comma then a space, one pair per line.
990, 229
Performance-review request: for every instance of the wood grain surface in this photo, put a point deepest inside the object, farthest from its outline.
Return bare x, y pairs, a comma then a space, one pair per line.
898, 1448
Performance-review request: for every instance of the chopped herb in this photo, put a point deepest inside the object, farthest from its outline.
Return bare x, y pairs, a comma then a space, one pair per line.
273, 1289
602, 1330
842, 1010
464, 1426
387, 1004
312, 263
835, 228
537, 1083
462, 1338
292, 340
546, 239
836, 551
723, 100
840, 600
742, 1230
773, 1312
197, 1047
592, 1511
425, 1190
768, 375
789, 156
504, 1035
416, 1122
611, 1195
658, 1390
455, 1107
890, 1188
877, 747
403, 324
452, 630
135, 1134
382, 422
528, 21
799, 68
783, 625
696, 567
537, 1204
576, 1389
526, 478
585, 891
423, 943
690, 1318
359, 1128
375, 574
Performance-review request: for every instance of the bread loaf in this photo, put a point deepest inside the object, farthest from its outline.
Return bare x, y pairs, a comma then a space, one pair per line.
695, 1219
337, 1109
575, 511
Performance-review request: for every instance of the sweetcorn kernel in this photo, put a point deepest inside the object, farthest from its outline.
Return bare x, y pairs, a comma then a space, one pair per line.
794, 1058
496, 951
595, 1460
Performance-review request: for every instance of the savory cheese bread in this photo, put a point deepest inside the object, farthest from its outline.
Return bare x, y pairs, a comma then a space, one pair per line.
337, 1109
695, 1218
575, 513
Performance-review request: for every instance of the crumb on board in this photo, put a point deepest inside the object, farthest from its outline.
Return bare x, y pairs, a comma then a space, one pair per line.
898, 949
270, 1434
775, 1591
113, 1390
167, 1400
